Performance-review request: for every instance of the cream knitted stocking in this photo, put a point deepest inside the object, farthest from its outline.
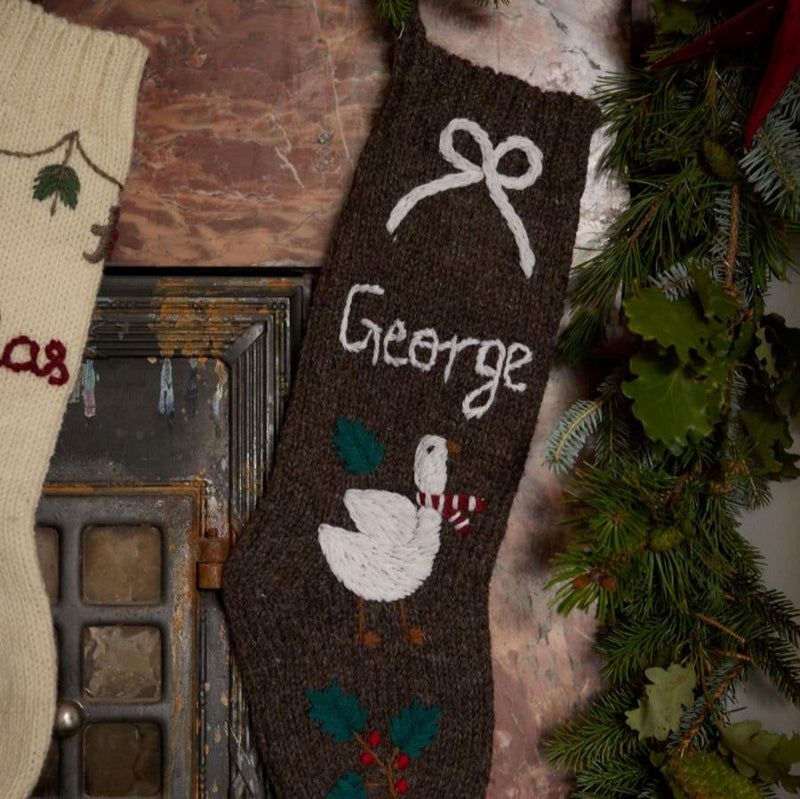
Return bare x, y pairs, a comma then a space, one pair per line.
67, 106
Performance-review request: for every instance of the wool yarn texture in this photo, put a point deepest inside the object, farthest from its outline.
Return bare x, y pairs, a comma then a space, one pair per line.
67, 108
357, 594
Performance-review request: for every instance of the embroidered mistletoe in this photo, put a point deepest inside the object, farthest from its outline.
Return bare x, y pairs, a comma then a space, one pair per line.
60, 183
342, 717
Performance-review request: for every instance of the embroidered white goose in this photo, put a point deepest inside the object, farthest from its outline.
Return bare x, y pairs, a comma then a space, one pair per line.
392, 553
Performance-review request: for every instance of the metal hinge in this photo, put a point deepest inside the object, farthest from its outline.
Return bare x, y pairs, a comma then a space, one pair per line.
212, 552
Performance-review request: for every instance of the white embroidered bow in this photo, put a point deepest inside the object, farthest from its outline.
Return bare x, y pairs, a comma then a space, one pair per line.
474, 173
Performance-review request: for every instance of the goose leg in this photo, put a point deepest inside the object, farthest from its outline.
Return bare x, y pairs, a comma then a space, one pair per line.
414, 634
366, 637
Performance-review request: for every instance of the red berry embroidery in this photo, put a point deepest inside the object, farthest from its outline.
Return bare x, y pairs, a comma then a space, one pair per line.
367, 758
401, 786
403, 760
374, 738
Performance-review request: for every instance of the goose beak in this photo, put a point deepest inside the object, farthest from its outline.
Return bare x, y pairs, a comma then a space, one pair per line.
453, 448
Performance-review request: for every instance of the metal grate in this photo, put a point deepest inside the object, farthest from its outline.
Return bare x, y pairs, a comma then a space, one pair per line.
165, 447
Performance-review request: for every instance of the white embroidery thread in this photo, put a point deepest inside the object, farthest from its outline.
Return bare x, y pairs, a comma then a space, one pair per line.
493, 360
470, 173
392, 553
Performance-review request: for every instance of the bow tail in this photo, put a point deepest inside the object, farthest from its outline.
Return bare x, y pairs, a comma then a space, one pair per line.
527, 260
455, 180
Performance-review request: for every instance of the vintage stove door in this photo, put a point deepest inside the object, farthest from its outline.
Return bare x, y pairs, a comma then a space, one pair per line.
164, 449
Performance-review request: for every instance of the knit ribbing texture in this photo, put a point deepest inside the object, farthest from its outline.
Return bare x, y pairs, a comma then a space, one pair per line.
67, 106
432, 343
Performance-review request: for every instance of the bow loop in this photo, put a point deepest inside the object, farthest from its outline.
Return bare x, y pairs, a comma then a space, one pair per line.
488, 171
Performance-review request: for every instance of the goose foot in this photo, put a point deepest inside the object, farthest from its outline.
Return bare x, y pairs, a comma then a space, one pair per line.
416, 635
366, 637
369, 638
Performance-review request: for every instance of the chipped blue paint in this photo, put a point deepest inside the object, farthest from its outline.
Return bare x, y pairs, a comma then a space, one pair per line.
166, 397
77, 388
89, 380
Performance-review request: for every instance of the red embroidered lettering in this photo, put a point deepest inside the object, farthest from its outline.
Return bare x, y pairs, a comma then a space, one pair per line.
55, 370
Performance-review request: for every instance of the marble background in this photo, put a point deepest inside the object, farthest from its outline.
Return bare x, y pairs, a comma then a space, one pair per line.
251, 117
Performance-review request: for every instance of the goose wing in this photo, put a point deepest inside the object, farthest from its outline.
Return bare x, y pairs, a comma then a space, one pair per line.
382, 514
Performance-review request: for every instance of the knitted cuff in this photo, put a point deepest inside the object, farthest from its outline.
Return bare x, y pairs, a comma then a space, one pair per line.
73, 76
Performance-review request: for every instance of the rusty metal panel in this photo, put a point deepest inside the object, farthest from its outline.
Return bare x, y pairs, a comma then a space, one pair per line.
165, 448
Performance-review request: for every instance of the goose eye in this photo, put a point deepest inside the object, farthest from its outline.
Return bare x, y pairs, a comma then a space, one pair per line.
430, 449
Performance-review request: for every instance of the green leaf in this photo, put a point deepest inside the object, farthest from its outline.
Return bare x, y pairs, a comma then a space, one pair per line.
338, 713
357, 447
675, 16
414, 727
769, 430
351, 786
719, 305
660, 709
670, 401
677, 323
756, 752
763, 352
784, 344
59, 180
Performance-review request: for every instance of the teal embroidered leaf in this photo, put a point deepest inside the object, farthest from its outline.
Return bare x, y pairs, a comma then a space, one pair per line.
57, 180
338, 713
414, 728
351, 786
357, 447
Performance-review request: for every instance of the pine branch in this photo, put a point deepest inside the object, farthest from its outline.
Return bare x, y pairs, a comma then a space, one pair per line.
596, 735
708, 704
634, 645
773, 164
778, 660
574, 428
624, 776
675, 282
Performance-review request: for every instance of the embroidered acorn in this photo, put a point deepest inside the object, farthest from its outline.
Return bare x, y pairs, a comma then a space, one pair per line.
367, 758
401, 786
374, 738
403, 760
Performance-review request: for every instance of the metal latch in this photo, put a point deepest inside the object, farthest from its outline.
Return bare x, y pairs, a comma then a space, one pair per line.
212, 552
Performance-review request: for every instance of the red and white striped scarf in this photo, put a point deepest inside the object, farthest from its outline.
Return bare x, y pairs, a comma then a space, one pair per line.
451, 505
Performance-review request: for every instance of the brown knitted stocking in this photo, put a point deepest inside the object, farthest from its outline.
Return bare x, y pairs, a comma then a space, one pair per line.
357, 595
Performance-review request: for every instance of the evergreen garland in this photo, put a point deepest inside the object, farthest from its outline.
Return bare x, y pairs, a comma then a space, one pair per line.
687, 430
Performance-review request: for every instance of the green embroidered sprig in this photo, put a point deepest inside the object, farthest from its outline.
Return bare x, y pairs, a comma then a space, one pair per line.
60, 181
342, 717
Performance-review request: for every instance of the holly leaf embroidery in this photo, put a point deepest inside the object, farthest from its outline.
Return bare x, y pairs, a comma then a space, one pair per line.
357, 447
661, 707
338, 713
351, 786
414, 727
58, 181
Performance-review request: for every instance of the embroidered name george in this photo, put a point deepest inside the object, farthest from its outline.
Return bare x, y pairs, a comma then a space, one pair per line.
494, 360
21, 354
